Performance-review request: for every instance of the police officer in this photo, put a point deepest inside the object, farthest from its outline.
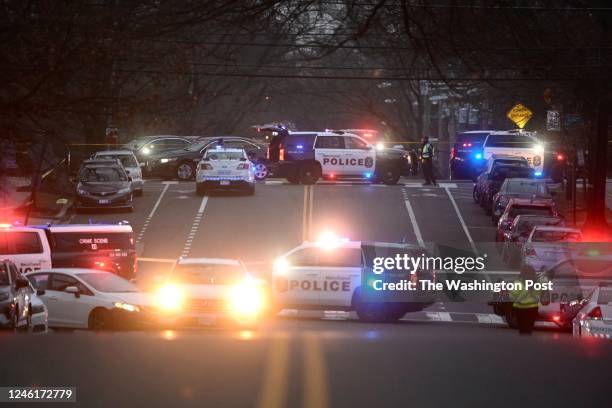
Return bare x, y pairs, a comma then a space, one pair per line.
427, 162
525, 301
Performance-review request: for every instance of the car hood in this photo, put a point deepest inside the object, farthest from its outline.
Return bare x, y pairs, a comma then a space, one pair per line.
206, 291
103, 187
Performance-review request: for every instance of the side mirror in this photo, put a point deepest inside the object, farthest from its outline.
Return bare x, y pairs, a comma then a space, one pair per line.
129, 179
127, 172
40, 292
22, 283
74, 290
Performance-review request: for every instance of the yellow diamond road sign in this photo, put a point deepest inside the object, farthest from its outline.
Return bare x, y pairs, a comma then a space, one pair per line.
520, 115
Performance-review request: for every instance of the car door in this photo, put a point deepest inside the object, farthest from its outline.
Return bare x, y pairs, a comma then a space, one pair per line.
341, 274
359, 156
329, 151
22, 295
300, 283
68, 310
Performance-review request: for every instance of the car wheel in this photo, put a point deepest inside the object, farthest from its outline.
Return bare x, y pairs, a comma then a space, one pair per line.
390, 176
475, 195
261, 171
185, 171
99, 319
371, 312
310, 173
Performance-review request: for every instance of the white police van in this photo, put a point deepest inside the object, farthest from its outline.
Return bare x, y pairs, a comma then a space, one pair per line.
516, 143
308, 156
327, 275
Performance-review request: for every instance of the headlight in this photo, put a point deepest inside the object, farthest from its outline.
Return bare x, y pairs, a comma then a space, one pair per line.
247, 299
169, 298
126, 307
124, 190
171, 159
146, 150
280, 266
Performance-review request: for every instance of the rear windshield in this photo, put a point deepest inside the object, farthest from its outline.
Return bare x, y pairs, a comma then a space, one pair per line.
556, 236
208, 274
526, 224
510, 140
527, 188
91, 242
294, 141
20, 242
127, 160
102, 174
223, 155
529, 210
511, 172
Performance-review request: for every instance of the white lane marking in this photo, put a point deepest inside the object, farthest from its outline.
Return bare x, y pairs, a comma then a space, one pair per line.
420, 185
273, 182
489, 318
463, 225
152, 213
439, 316
415, 226
203, 205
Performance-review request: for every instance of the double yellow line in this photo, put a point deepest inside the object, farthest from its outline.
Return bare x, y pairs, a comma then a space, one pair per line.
307, 213
276, 377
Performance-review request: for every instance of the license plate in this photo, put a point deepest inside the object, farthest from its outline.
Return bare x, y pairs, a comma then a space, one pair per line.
224, 182
206, 320
103, 201
224, 172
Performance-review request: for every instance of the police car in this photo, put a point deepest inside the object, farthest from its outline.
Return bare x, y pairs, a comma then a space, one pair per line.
308, 156
594, 315
516, 143
327, 275
225, 168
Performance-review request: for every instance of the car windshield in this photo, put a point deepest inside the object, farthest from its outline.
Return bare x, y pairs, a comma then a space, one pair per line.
4, 278
197, 146
224, 155
108, 282
529, 210
527, 187
127, 160
556, 236
102, 174
207, 274
510, 140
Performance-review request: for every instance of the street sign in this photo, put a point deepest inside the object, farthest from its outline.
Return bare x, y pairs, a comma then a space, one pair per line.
553, 121
520, 115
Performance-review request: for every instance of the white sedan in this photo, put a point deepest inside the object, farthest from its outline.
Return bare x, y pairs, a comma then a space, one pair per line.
210, 291
90, 299
547, 245
225, 168
594, 319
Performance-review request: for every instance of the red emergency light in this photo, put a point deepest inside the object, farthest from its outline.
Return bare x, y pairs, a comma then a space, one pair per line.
560, 157
467, 145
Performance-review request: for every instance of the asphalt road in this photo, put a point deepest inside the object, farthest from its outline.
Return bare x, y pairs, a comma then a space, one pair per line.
452, 354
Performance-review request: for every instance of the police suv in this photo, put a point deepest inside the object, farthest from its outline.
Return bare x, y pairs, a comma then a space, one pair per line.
308, 156
327, 275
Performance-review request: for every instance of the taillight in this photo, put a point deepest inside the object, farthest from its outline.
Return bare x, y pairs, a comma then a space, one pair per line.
560, 157
281, 153
453, 153
243, 166
268, 153
529, 251
467, 145
205, 166
595, 314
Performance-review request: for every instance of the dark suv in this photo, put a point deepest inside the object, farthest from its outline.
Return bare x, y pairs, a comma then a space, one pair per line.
467, 160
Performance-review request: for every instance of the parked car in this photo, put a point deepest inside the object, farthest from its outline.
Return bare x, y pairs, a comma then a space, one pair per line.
493, 161
516, 143
592, 316
547, 245
15, 298
103, 184
519, 206
520, 231
517, 188
181, 163
145, 146
490, 185
130, 164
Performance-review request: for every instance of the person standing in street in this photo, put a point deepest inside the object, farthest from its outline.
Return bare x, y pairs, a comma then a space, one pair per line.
427, 154
525, 301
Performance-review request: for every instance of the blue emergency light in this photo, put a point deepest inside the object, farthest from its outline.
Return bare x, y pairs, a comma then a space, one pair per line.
368, 175
538, 174
478, 156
